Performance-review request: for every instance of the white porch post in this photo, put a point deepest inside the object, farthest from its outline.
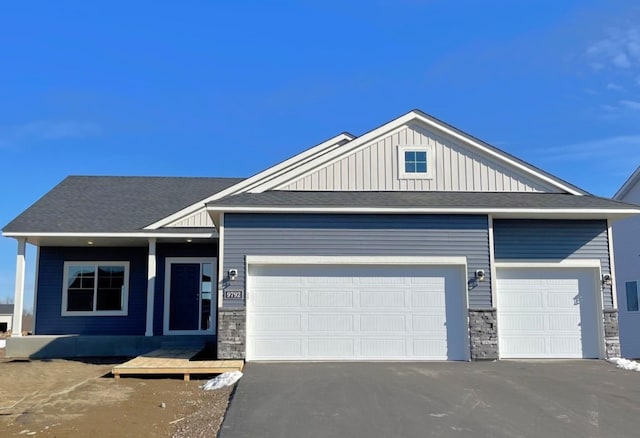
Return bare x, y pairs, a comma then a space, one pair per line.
18, 296
151, 285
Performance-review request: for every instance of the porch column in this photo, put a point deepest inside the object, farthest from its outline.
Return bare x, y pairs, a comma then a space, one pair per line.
151, 285
18, 296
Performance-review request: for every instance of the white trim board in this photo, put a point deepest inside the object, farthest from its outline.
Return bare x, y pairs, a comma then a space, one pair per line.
354, 260
501, 212
167, 297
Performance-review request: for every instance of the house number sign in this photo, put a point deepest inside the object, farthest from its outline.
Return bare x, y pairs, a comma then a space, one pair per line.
233, 294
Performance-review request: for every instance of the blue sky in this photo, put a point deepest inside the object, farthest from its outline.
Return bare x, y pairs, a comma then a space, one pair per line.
229, 88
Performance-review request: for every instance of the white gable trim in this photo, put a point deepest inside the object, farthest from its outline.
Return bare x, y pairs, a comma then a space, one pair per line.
390, 128
259, 178
628, 185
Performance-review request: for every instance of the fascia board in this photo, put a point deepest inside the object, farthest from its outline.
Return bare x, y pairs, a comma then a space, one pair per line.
311, 153
628, 185
497, 212
114, 235
389, 128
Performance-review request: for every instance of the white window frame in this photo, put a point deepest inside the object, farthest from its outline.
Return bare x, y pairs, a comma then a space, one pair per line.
124, 297
416, 148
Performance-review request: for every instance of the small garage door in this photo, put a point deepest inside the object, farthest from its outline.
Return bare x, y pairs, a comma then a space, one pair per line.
360, 312
547, 313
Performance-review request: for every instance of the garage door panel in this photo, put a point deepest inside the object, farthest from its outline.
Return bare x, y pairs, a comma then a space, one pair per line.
339, 298
277, 348
382, 323
521, 323
331, 323
330, 347
279, 298
428, 298
357, 313
278, 323
382, 299
428, 323
384, 348
547, 312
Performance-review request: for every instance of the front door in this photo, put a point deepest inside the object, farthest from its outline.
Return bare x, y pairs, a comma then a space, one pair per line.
189, 297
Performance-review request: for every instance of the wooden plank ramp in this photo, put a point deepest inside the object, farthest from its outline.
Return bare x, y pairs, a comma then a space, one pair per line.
175, 361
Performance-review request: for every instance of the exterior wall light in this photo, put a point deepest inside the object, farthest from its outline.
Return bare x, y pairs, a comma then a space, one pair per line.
233, 274
480, 275
607, 280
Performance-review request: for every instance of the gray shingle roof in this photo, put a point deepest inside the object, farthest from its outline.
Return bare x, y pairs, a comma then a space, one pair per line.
476, 200
113, 204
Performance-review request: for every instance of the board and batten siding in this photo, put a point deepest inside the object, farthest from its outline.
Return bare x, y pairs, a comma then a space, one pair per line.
358, 235
49, 320
374, 167
528, 239
199, 219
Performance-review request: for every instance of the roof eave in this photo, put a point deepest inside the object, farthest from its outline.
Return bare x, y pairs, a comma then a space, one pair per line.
532, 213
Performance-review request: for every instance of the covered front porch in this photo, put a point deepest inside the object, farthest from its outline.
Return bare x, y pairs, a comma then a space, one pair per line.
109, 295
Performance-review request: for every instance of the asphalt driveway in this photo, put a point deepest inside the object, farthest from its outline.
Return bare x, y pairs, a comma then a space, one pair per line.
586, 398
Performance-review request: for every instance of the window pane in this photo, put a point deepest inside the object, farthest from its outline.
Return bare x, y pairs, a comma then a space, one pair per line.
79, 300
421, 156
80, 277
409, 156
421, 167
409, 167
632, 296
110, 283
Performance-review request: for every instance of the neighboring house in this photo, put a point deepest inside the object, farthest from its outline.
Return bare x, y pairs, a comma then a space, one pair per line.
6, 317
414, 241
626, 235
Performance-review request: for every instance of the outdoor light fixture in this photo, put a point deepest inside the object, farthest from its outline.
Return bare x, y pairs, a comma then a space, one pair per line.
480, 275
607, 280
233, 274
90, 242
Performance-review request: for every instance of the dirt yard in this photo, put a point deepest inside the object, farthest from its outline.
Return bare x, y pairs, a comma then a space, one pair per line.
69, 398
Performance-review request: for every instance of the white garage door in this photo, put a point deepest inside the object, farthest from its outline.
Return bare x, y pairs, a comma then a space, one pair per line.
361, 312
547, 313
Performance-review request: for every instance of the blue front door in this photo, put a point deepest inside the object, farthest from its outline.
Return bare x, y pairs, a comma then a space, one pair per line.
184, 302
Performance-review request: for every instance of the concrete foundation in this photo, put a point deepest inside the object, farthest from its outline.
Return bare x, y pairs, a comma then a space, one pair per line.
65, 346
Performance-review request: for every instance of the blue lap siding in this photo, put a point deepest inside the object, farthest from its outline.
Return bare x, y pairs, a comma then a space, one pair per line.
359, 235
554, 240
49, 319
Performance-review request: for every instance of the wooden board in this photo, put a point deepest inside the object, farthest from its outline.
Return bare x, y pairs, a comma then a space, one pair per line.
175, 361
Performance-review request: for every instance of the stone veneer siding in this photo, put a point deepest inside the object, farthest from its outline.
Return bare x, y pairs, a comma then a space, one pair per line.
232, 327
483, 334
611, 333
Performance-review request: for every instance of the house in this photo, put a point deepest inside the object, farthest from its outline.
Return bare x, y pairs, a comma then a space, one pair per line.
414, 241
627, 255
6, 317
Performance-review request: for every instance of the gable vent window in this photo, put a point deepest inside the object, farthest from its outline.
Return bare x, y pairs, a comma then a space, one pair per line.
415, 162
632, 296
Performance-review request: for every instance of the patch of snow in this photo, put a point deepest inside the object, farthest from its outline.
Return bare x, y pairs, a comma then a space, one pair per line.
224, 379
625, 364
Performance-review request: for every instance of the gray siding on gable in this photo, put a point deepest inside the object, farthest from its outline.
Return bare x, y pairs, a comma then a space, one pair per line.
524, 239
456, 167
359, 235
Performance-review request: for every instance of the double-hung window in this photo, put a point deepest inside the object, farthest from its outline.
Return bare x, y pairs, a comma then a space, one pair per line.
415, 162
95, 288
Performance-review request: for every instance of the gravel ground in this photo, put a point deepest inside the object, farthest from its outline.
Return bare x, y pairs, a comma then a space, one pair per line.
209, 412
